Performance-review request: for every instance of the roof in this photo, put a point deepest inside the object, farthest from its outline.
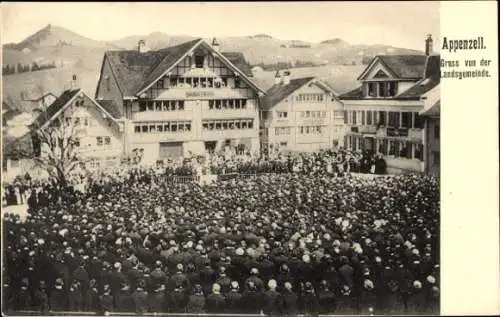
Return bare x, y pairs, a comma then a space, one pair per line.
111, 107
433, 66
433, 111
54, 108
356, 93
238, 60
278, 92
135, 71
402, 66
419, 88
33, 98
405, 66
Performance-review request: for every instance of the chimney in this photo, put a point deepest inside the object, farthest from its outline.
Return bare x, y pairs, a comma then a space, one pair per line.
73, 82
141, 46
286, 77
216, 45
277, 77
428, 45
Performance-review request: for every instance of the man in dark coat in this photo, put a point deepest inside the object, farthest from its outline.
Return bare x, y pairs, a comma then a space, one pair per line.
156, 300
21, 299
252, 299
140, 297
123, 299
289, 300
215, 302
234, 299
326, 298
41, 298
345, 302
58, 300
196, 301
106, 300
310, 304
91, 297
75, 296
178, 299
270, 305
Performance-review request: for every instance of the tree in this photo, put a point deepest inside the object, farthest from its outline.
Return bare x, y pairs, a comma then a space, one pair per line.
56, 146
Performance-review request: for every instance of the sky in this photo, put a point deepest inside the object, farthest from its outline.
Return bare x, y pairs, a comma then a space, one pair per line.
402, 24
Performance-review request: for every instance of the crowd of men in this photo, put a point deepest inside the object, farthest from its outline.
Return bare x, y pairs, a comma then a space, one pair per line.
277, 244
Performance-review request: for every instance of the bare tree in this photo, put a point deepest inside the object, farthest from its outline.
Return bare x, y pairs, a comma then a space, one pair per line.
56, 148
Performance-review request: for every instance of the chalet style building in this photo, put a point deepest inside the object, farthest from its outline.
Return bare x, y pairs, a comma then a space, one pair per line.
300, 115
184, 100
383, 114
95, 128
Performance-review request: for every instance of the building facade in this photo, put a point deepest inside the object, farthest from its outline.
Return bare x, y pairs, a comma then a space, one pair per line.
97, 134
300, 115
383, 114
189, 99
432, 136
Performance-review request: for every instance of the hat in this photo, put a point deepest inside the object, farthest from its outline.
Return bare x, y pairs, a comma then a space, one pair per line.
306, 258
272, 284
417, 284
216, 288
240, 251
180, 267
368, 284
254, 271
235, 285
118, 265
431, 279
288, 285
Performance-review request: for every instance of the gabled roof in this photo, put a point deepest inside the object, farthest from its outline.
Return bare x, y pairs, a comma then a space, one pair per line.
111, 107
278, 92
55, 107
356, 93
135, 71
433, 111
64, 101
171, 55
401, 66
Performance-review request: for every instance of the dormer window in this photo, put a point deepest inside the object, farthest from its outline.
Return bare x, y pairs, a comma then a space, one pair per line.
381, 89
199, 61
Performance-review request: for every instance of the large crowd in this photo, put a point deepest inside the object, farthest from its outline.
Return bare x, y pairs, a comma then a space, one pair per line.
278, 244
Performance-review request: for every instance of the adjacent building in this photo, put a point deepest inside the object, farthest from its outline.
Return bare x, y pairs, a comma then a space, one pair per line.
182, 100
384, 113
301, 114
432, 135
95, 129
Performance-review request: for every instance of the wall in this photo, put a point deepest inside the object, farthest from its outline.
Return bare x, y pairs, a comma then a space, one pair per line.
102, 92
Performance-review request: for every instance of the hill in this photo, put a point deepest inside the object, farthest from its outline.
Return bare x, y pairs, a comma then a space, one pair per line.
71, 53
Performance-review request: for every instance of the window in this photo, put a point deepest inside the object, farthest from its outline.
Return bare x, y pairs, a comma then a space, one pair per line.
187, 127
173, 127
368, 117
76, 142
152, 128
406, 119
354, 121
392, 89
158, 105
382, 118
160, 83
419, 122
393, 119
419, 152
381, 89
198, 61
137, 129
436, 132
150, 106
371, 90
144, 128
250, 124
107, 140
99, 141
284, 144
243, 103
166, 127
237, 82
77, 121
205, 126
181, 105
308, 114
210, 104
282, 114
159, 127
